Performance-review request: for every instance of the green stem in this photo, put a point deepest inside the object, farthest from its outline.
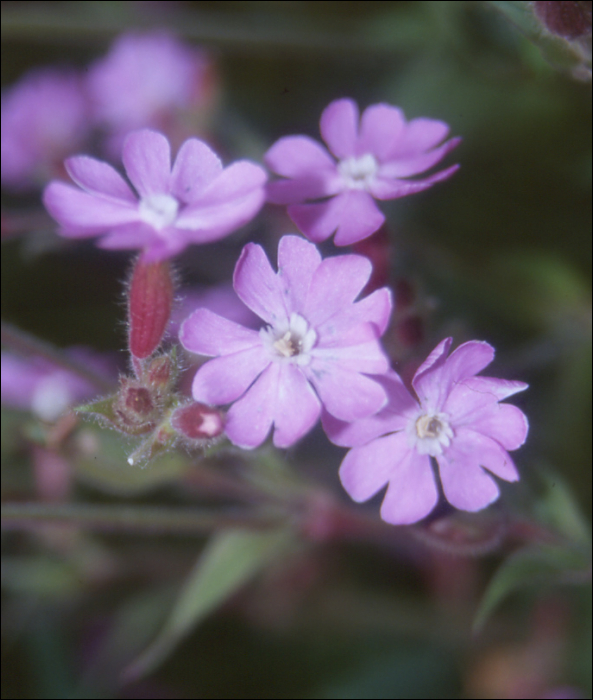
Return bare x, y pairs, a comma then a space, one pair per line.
141, 519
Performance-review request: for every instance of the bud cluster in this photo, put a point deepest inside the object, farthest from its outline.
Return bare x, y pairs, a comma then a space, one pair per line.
147, 404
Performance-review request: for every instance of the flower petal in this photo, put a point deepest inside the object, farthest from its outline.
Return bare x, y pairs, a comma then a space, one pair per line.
257, 285
207, 333
345, 394
344, 328
306, 187
250, 418
83, 214
297, 262
419, 135
359, 217
384, 188
380, 128
127, 236
365, 470
481, 412
465, 484
394, 417
416, 163
195, 167
335, 285
226, 378
297, 407
238, 180
366, 357
297, 156
99, 178
412, 491
339, 127
147, 159
434, 382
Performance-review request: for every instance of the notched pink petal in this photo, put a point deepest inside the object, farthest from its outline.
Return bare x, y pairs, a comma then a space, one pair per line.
465, 484
339, 127
297, 407
380, 129
99, 178
365, 470
298, 261
207, 333
385, 188
195, 167
257, 286
147, 159
359, 217
420, 135
225, 379
250, 418
298, 156
419, 163
347, 395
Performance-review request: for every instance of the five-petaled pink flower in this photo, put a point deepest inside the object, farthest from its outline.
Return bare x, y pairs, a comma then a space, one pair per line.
375, 161
316, 347
457, 419
195, 201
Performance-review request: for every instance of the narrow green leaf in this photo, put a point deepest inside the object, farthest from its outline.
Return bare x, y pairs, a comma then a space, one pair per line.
531, 566
230, 560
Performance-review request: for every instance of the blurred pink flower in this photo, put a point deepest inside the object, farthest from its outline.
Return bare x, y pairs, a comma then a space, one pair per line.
144, 78
47, 390
375, 161
44, 119
196, 201
316, 347
457, 419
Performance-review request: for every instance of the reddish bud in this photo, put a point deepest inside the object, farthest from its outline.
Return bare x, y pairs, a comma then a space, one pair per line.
134, 407
149, 308
160, 373
197, 421
566, 19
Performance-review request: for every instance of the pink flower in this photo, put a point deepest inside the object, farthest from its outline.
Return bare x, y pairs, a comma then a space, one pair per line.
37, 385
44, 119
374, 162
143, 78
197, 201
457, 419
316, 346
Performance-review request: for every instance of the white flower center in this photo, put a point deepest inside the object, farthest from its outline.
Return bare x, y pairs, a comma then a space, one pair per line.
51, 398
290, 341
158, 210
430, 433
358, 173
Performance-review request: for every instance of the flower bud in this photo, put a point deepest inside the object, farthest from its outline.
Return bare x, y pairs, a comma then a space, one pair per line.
135, 408
569, 20
149, 306
197, 421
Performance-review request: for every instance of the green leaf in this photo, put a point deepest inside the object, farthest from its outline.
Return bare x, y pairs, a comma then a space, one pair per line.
539, 565
230, 560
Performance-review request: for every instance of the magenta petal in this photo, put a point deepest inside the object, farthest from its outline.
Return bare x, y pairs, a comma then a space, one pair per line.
474, 449
297, 262
317, 221
489, 387
416, 163
257, 285
465, 484
503, 422
412, 491
84, 214
240, 179
345, 394
365, 470
385, 188
195, 167
207, 333
335, 285
297, 407
250, 418
312, 186
226, 378
128, 236
348, 326
359, 217
366, 357
418, 136
339, 127
147, 159
380, 129
297, 156
426, 386
96, 177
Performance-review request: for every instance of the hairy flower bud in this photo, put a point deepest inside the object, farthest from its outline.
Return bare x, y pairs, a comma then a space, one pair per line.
149, 306
197, 421
135, 408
